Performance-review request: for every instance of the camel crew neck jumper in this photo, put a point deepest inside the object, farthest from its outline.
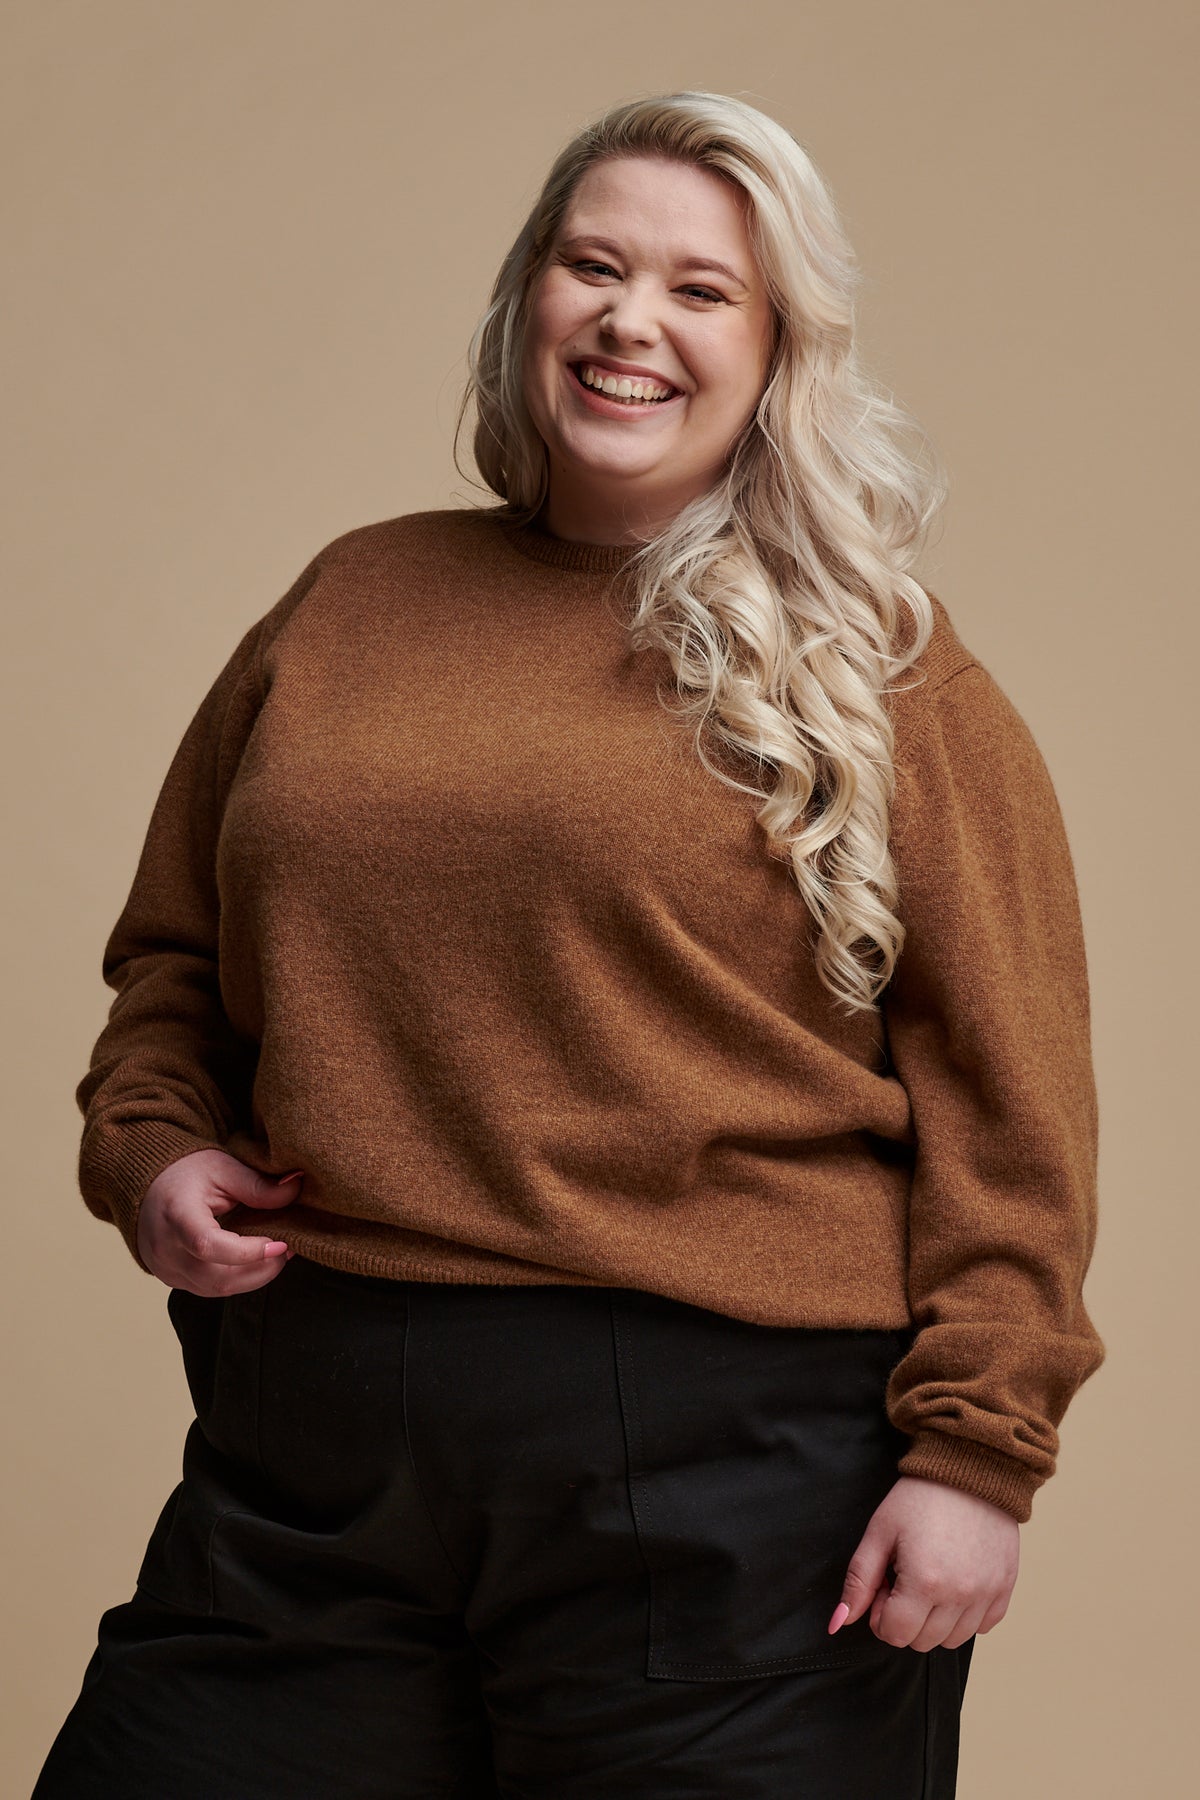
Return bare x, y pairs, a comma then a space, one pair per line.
438, 904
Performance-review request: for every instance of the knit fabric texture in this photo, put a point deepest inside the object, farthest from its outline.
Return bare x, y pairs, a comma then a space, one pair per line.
438, 904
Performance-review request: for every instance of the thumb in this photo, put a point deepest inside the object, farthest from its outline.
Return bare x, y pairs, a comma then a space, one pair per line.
253, 1188
866, 1573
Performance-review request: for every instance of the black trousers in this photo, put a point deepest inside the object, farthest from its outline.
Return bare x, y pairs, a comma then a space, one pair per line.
440, 1539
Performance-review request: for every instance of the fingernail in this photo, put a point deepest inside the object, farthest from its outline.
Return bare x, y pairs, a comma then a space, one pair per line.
835, 1624
290, 1176
274, 1248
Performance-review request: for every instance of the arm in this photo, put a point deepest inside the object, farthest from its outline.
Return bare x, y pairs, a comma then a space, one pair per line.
168, 1074
988, 1022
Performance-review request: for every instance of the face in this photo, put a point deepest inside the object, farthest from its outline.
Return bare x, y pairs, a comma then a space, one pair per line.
633, 292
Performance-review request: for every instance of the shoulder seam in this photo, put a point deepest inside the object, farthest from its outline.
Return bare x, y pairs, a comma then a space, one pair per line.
928, 711
949, 675
300, 588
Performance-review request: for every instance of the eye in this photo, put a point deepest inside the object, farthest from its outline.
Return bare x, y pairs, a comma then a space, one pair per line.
706, 294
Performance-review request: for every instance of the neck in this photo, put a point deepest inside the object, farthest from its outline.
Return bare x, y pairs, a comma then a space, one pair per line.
584, 516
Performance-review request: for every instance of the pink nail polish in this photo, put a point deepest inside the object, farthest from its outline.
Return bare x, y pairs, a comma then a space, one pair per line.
835, 1624
290, 1176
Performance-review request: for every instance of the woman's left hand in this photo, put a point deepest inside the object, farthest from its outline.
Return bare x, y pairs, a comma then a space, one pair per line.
955, 1559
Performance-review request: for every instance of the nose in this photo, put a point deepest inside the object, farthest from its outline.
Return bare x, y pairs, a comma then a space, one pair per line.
629, 318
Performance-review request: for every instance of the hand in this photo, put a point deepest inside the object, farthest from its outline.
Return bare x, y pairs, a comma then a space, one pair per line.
955, 1560
179, 1239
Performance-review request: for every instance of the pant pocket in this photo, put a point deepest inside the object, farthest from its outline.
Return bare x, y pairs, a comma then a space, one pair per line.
756, 1456
220, 1337
220, 1341
176, 1566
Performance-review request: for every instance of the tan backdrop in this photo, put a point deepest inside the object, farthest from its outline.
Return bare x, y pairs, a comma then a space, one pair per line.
247, 243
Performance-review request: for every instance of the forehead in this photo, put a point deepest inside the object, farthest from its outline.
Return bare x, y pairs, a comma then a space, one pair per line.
646, 195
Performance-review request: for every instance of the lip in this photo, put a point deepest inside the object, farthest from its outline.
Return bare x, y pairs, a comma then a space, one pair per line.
615, 409
619, 368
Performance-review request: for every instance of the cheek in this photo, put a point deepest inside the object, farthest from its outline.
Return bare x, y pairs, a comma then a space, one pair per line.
737, 372
719, 359
558, 311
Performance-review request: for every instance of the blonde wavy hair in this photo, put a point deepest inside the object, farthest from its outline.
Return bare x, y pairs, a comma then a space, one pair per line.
776, 595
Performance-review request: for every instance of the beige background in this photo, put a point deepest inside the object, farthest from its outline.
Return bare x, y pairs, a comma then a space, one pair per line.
246, 244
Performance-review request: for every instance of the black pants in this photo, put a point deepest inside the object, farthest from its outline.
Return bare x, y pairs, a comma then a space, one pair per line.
439, 1539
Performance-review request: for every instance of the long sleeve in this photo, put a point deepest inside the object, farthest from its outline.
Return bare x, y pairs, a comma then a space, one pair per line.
988, 1022
168, 1073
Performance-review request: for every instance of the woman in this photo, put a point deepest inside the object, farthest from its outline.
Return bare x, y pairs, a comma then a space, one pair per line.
623, 1162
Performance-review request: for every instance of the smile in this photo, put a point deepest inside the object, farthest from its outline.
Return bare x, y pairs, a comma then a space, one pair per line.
614, 405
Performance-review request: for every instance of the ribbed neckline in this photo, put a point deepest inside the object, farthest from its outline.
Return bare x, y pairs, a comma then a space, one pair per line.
565, 553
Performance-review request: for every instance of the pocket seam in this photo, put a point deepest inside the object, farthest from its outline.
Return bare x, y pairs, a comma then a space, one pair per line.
660, 1664
204, 1605
803, 1660
631, 1425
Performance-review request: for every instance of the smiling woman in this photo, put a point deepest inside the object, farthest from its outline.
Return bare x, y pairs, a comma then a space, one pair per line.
638, 315
643, 1391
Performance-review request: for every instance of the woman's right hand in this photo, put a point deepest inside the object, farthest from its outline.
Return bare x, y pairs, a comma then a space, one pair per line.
178, 1234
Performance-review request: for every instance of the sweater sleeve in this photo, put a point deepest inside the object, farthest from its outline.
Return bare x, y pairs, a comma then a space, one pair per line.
168, 1073
988, 1021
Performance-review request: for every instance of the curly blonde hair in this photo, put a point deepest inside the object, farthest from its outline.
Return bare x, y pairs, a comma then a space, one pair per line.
777, 595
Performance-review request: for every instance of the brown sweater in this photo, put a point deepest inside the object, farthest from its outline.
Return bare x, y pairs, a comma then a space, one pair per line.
438, 905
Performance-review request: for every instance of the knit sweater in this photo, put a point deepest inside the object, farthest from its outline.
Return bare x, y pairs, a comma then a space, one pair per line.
438, 904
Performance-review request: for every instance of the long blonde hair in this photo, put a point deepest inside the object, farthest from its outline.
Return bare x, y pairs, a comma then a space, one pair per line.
777, 595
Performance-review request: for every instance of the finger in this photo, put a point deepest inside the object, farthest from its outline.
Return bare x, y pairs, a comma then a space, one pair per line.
866, 1570
258, 1275
218, 1204
267, 1191
910, 1614
939, 1624
225, 1250
272, 1190
994, 1613
897, 1614
965, 1626
257, 1261
216, 1286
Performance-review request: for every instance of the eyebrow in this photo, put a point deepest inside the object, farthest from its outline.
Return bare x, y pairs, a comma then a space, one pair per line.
687, 262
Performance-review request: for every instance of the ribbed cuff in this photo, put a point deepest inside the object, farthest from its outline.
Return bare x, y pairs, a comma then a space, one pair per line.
117, 1165
977, 1469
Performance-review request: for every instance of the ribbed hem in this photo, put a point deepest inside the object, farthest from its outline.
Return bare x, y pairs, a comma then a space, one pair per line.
564, 553
962, 1463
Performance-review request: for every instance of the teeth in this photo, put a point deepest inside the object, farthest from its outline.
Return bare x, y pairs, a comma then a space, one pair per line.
622, 387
